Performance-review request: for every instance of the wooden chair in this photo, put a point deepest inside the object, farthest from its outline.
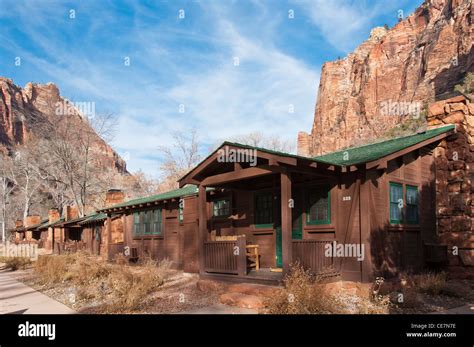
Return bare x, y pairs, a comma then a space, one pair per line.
253, 256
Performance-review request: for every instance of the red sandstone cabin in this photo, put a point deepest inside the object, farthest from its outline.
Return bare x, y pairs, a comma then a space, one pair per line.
247, 213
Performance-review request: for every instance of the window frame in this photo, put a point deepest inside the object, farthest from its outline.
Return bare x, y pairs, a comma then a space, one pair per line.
180, 211
263, 225
137, 225
417, 205
308, 206
144, 223
214, 208
157, 221
401, 220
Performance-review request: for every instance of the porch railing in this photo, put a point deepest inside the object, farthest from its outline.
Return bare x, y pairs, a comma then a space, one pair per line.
227, 257
311, 255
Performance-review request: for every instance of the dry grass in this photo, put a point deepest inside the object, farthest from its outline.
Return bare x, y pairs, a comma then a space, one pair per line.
15, 263
430, 283
306, 294
118, 287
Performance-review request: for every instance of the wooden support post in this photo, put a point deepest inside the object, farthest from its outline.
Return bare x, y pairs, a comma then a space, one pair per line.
109, 236
242, 256
202, 234
365, 228
286, 221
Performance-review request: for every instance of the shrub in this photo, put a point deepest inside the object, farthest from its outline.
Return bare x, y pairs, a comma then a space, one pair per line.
302, 294
430, 283
130, 288
53, 269
15, 263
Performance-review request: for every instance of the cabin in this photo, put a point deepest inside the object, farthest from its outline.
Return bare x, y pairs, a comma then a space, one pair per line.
161, 226
355, 214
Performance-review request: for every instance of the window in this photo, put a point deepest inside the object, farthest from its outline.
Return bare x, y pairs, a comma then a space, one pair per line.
412, 204
264, 210
221, 208
147, 222
157, 218
181, 211
147, 215
396, 203
136, 223
319, 206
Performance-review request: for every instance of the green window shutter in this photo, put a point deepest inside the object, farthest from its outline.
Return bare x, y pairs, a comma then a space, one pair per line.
221, 208
157, 222
319, 206
136, 223
412, 205
264, 210
396, 203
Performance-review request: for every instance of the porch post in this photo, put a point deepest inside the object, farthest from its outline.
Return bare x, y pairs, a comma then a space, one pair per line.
109, 235
286, 221
202, 212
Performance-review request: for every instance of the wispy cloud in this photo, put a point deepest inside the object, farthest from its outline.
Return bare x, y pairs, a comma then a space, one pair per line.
188, 62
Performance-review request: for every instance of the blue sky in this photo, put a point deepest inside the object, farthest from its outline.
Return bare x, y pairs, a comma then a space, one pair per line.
188, 61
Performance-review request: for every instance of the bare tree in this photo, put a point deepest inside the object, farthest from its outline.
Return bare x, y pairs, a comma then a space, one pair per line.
179, 158
26, 174
6, 190
74, 144
258, 139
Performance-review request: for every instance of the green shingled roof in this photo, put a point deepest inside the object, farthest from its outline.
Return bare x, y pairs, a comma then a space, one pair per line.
94, 218
35, 226
176, 193
374, 151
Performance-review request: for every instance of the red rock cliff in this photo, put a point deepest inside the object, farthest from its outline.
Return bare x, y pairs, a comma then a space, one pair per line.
22, 109
414, 63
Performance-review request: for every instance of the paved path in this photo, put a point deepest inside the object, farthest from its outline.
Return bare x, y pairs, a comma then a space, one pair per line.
221, 309
18, 298
466, 309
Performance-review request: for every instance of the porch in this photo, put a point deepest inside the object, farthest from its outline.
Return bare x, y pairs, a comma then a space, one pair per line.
262, 205
229, 260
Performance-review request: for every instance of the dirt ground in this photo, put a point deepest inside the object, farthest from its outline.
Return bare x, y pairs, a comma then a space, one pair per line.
179, 293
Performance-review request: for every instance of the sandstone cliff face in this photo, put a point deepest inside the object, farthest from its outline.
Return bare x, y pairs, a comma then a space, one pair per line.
393, 73
22, 110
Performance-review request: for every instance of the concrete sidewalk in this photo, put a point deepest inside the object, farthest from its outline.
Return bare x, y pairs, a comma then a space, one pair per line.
18, 298
466, 309
220, 309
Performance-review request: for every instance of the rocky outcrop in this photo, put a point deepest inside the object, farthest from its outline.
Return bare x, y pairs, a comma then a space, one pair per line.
454, 163
24, 110
392, 76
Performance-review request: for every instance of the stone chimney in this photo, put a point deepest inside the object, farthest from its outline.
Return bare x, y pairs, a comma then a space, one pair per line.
304, 144
18, 223
53, 215
114, 197
32, 220
70, 212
